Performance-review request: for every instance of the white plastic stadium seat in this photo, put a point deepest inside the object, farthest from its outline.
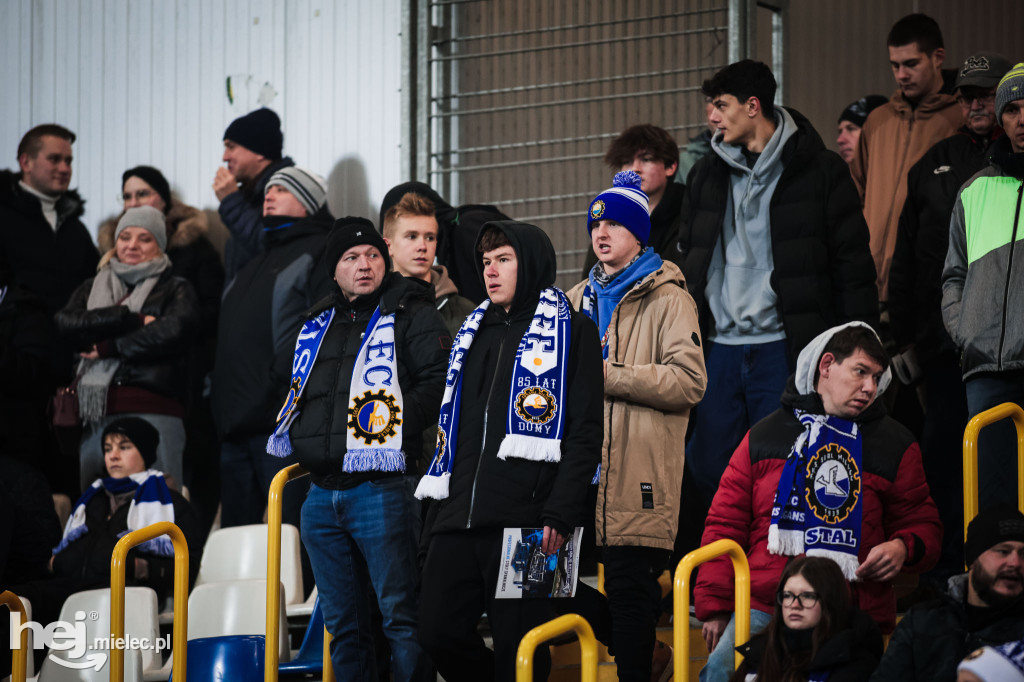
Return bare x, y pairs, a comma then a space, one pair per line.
236, 607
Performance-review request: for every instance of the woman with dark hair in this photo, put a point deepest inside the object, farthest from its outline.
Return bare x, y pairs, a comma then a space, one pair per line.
815, 632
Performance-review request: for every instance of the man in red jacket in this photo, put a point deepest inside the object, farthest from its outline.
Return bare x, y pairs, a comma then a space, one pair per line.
828, 474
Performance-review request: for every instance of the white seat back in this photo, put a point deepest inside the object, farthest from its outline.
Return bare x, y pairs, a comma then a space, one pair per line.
236, 607
140, 618
53, 671
240, 553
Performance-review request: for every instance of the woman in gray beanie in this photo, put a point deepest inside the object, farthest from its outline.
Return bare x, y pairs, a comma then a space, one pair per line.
132, 325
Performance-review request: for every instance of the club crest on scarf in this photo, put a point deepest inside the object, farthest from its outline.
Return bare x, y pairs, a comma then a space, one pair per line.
536, 405
374, 417
836, 487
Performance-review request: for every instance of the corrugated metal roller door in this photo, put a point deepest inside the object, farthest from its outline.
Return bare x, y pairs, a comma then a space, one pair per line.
526, 96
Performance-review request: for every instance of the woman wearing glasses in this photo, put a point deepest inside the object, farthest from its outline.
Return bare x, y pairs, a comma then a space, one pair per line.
815, 633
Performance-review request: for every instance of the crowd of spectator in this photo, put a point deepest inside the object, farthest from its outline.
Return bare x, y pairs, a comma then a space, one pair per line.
773, 309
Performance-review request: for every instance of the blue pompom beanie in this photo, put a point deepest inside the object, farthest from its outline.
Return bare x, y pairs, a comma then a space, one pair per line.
625, 203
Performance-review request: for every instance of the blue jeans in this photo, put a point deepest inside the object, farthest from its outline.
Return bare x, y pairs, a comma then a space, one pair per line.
355, 537
745, 384
722, 661
997, 444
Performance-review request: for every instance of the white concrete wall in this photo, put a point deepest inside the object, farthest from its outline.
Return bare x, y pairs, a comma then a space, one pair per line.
145, 82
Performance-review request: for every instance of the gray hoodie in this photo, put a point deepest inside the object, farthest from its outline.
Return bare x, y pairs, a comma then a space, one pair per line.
739, 290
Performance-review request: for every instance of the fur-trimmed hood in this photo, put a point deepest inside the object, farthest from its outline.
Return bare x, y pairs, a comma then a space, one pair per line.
185, 225
69, 205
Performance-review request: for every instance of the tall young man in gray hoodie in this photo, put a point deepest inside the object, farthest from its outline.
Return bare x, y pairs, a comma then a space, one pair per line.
774, 250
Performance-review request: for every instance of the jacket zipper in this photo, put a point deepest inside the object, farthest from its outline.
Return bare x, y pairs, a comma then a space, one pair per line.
483, 442
1009, 269
330, 405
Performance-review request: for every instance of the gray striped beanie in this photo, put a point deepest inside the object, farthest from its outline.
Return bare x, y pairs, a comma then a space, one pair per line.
305, 185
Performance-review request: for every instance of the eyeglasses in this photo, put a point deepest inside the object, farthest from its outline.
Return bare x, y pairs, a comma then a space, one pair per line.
968, 100
140, 195
807, 599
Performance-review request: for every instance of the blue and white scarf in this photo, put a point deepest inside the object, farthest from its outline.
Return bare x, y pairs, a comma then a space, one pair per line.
374, 440
151, 503
307, 347
818, 503
601, 294
536, 414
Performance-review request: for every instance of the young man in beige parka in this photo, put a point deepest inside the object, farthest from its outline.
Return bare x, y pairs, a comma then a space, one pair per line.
654, 373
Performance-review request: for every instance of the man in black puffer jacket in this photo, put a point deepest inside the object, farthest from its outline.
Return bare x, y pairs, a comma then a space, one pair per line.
775, 251
501, 471
367, 379
984, 607
260, 313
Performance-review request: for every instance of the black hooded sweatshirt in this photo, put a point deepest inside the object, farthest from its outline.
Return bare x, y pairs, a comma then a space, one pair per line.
485, 491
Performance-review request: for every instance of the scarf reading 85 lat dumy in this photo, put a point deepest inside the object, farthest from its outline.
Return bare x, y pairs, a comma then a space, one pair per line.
536, 416
374, 428
817, 507
151, 503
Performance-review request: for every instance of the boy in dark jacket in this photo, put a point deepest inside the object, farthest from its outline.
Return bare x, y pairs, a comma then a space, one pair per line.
367, 377
518, 443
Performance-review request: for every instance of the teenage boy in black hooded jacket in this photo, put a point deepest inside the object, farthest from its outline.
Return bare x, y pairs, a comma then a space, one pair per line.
487, 492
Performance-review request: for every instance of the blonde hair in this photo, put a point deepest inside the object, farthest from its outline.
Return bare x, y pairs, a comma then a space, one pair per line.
411, 204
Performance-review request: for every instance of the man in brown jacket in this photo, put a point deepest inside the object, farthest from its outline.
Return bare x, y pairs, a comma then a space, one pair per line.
654, 373
920, 113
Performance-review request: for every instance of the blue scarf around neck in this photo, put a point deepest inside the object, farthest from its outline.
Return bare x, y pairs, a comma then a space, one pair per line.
600, 300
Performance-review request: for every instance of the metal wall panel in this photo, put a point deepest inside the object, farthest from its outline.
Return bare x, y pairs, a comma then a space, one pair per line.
837, 50
527, 96
144, 81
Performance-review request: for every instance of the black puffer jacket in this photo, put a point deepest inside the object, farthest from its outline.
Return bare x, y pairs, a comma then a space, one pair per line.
824, 274
260, 315
915, 276
851, 655
153, 356
934, 637
485, 491
319, 434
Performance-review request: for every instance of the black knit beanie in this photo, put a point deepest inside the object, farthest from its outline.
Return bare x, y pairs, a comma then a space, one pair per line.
140, 432
996, 524
152, 177
858, 111
258, 131
353, 231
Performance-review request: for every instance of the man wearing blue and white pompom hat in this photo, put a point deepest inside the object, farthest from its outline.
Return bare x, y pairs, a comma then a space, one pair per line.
654, 373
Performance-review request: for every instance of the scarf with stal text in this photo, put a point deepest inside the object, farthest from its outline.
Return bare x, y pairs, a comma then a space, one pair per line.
151, 503
536, 415
374, 440
817, 508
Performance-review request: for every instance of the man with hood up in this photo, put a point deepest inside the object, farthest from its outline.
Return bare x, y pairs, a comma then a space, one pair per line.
828, 474
519, 439
774, 250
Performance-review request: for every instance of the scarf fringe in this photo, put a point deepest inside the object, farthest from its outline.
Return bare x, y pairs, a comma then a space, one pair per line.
279, 445
374, 459
848, 563
161, 546
785, 542
434, 487
531, 448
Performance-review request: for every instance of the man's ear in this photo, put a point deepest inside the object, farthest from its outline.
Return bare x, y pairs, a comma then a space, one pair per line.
938, 56
825, 364
23, 161
753, 106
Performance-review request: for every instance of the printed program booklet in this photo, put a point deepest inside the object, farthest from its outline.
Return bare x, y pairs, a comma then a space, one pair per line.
525, 572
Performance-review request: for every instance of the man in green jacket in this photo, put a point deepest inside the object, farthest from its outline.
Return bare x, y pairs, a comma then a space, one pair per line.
981, 306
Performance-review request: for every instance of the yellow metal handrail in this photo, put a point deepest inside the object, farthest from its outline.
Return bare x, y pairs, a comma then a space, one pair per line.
554, 628
681, 599
117, 559
974, 427
19, 661
270, 673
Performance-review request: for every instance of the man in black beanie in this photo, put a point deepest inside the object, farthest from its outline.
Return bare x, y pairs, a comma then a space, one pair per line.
983, 607
252, 152
851, 121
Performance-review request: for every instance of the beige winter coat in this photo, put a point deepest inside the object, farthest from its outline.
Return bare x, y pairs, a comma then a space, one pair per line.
655, 374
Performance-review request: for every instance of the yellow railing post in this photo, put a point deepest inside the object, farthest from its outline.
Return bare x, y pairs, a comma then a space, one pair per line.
289, 473
974, 427
117, 559
554, 628
19, 659
681, 599
328, 666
